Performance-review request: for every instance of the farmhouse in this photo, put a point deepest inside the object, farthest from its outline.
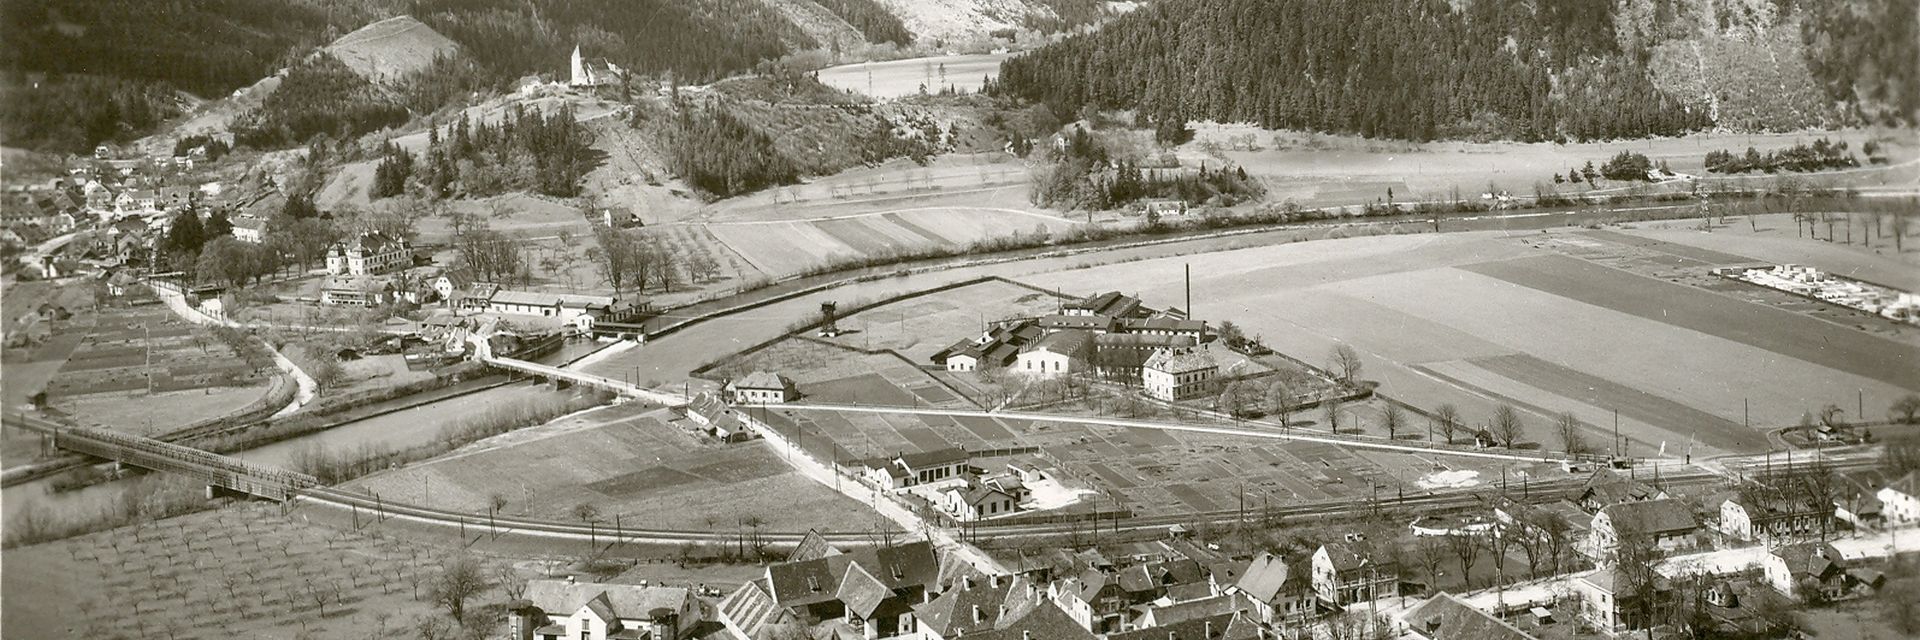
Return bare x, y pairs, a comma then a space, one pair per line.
762, 387
1755, 516
1280, 591
368, 253
1901, 500
569, 610
1341, 576
874, 589
1179, 374
1817, 572
1668, 524
1058, 354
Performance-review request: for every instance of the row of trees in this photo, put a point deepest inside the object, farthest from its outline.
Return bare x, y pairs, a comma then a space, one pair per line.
1081, 174
1406, 68
1819, 155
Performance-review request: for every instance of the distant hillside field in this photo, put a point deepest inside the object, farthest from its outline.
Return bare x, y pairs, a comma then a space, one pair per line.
390, 49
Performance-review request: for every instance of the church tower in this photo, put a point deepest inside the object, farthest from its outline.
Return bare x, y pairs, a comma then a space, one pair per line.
580, 78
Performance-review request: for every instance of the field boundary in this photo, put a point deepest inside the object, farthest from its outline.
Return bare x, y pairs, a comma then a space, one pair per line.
896, 354
702, 371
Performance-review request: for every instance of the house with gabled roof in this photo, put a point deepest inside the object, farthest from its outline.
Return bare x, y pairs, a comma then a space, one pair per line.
762, 387
1280, 592
1447, 617
749, 612
1344, 574
1766, 515
1611, 603
571, 610
1666, 523
1607, 487
874, 589
1235, 625
1900, 500
1058, 354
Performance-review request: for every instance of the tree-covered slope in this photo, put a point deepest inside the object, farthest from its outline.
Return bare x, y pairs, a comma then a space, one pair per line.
1424, 69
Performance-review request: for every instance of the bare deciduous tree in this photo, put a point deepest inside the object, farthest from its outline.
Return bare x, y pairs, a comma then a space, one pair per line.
1506, 426
1346, 362
1392, 419
1567, 427
460, 581
1446, 420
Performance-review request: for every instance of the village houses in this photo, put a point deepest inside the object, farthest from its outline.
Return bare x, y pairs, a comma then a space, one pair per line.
570, 610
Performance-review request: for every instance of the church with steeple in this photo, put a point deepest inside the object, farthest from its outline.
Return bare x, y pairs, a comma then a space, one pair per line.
593, 73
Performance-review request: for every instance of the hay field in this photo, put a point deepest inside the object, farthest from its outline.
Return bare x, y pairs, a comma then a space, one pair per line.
1324, 170
640, 465
1477, 319
782, 248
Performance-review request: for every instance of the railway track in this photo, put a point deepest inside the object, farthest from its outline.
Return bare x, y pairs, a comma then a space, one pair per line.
373, 507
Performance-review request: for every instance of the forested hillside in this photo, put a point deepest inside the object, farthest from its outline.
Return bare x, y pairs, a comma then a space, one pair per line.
1483, 69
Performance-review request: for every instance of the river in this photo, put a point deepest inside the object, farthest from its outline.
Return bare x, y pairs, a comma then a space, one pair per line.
900, 78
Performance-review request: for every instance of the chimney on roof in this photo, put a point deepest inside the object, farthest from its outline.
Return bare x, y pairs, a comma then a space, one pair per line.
976, 614
569, 579
1207, 634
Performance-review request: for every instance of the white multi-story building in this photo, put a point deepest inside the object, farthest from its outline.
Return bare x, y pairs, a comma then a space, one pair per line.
369, 253
1179, 374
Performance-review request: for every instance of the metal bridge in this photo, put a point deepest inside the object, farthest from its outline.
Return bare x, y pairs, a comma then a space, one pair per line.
217, 471
550, 372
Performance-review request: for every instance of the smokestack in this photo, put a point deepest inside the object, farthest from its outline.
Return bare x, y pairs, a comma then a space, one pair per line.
1190, 314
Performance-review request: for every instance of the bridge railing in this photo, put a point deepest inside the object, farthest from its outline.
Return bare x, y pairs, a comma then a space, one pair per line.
224, 470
